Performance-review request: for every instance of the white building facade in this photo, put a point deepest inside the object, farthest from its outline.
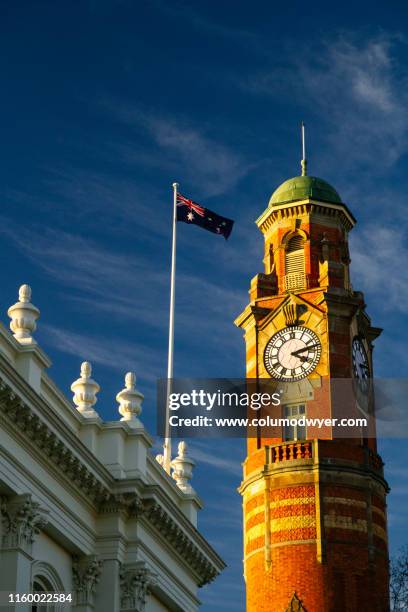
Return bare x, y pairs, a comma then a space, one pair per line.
85, 507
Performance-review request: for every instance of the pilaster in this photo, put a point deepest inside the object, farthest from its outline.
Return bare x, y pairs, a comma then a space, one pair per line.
86, 573
21, 520
136, 582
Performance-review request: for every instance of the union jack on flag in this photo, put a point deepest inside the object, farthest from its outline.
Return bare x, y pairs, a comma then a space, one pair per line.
182, 201
194, 214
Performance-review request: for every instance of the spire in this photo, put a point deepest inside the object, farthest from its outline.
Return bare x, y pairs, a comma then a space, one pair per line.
303, 163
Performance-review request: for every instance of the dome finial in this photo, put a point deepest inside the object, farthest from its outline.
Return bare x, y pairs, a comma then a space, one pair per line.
303, 163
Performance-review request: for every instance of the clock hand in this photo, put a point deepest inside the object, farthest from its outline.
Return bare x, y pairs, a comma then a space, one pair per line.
306, 348
365, 372
301, 358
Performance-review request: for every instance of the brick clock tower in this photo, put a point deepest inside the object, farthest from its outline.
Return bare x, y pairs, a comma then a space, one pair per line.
314, 509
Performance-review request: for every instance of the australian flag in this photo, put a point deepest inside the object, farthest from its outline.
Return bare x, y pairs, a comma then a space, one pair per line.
190, 212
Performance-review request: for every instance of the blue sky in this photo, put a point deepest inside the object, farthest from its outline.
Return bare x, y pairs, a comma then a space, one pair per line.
105, 104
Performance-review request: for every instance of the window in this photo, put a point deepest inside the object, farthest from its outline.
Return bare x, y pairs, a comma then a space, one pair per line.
294, 431
41, 585
295, 263
45, 579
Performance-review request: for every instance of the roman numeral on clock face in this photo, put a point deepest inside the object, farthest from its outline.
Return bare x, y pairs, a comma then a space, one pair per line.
292, 353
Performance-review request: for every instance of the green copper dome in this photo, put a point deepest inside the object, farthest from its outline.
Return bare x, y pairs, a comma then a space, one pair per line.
302, 188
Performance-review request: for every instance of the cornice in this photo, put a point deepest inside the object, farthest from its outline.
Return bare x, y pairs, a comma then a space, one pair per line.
151, 504
176, 530
277, 212
53, 437
49, 388
134, 498
206, 566
49, 498
326, 467
175, 584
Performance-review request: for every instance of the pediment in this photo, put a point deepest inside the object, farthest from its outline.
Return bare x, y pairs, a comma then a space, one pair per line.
294, 309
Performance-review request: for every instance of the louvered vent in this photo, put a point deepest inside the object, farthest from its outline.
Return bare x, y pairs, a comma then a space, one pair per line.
295, 244
295, 264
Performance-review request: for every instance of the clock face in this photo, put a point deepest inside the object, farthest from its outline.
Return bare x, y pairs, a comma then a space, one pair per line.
361, 367
292, 353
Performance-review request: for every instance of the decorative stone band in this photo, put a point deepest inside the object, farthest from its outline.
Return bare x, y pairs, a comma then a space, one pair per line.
289, 496
105, 496
350, 514
278, 506
345, 522
290, 516
293, 520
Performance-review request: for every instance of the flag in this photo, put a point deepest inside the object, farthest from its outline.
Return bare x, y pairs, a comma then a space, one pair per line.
190, 212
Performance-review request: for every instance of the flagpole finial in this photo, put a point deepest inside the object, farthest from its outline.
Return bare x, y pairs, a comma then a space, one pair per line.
175, 185
303, 163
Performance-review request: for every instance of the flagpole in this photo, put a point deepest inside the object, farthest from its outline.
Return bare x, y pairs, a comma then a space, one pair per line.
303, 163
167, 439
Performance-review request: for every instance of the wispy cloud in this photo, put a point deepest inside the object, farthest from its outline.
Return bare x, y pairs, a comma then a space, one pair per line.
216, 167
114, 285
97, 276
183, 149
364, 97
228, 521
356, 86
362, 68
206, 25
209, 457
379, 250
110, 352
123, 204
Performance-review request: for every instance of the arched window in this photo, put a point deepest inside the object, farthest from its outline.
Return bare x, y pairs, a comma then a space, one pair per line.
42, 585
295, 263
45, 579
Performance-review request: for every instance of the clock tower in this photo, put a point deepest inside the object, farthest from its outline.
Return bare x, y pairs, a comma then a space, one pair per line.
314, 500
